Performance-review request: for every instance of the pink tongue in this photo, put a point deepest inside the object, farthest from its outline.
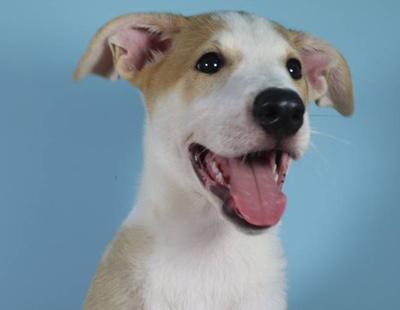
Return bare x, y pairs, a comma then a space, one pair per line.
256, 196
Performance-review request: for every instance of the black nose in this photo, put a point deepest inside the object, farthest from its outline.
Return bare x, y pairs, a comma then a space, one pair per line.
279, 111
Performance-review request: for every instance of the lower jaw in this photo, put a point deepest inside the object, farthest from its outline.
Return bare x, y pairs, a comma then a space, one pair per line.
230, 214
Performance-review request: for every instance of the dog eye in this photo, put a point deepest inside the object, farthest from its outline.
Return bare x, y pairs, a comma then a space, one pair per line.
210, 63
293, 65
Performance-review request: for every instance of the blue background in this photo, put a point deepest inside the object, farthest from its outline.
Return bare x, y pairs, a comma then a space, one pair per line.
70, 156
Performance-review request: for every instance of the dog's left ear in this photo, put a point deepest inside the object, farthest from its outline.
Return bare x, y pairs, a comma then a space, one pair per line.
326, 71
127, 44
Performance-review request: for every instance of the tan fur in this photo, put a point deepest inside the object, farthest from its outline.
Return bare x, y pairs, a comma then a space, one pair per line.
179, 62
118, 280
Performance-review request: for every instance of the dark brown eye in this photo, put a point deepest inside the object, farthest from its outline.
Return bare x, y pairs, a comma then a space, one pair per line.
293, 65
210, 63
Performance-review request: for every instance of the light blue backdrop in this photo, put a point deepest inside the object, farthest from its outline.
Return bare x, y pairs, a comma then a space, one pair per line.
70, 156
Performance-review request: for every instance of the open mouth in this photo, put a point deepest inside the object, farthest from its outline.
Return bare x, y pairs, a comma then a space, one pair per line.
249, 186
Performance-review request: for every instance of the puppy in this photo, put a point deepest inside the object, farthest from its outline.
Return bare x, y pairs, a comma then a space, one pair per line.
226, 96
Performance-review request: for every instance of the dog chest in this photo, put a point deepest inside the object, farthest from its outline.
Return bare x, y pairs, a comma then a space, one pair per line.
248, 276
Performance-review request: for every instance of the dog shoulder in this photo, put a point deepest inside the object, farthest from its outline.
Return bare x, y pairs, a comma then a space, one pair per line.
118, 282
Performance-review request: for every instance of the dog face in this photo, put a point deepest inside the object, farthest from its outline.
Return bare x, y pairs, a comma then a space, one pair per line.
226, 95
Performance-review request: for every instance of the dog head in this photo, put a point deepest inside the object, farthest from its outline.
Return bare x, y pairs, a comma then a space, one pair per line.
226, 96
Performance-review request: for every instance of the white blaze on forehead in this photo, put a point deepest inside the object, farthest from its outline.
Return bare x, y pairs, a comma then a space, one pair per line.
244, 28
263, 50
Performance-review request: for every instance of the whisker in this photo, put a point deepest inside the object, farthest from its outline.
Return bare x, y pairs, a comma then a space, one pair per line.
323, 158
323, 115
331, 136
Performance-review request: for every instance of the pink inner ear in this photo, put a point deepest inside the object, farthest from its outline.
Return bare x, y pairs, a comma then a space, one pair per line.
315, 64
138, 46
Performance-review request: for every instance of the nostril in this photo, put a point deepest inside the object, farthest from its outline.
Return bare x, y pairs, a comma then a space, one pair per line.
271, 113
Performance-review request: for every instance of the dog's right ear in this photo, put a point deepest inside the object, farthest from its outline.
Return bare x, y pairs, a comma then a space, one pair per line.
124, 46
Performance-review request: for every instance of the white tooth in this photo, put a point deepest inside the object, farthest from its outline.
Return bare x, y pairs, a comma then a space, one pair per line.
276, 177
219, 177
214, 167
274, 168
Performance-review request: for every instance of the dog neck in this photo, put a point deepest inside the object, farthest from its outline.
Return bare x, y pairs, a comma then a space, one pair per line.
171, 208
